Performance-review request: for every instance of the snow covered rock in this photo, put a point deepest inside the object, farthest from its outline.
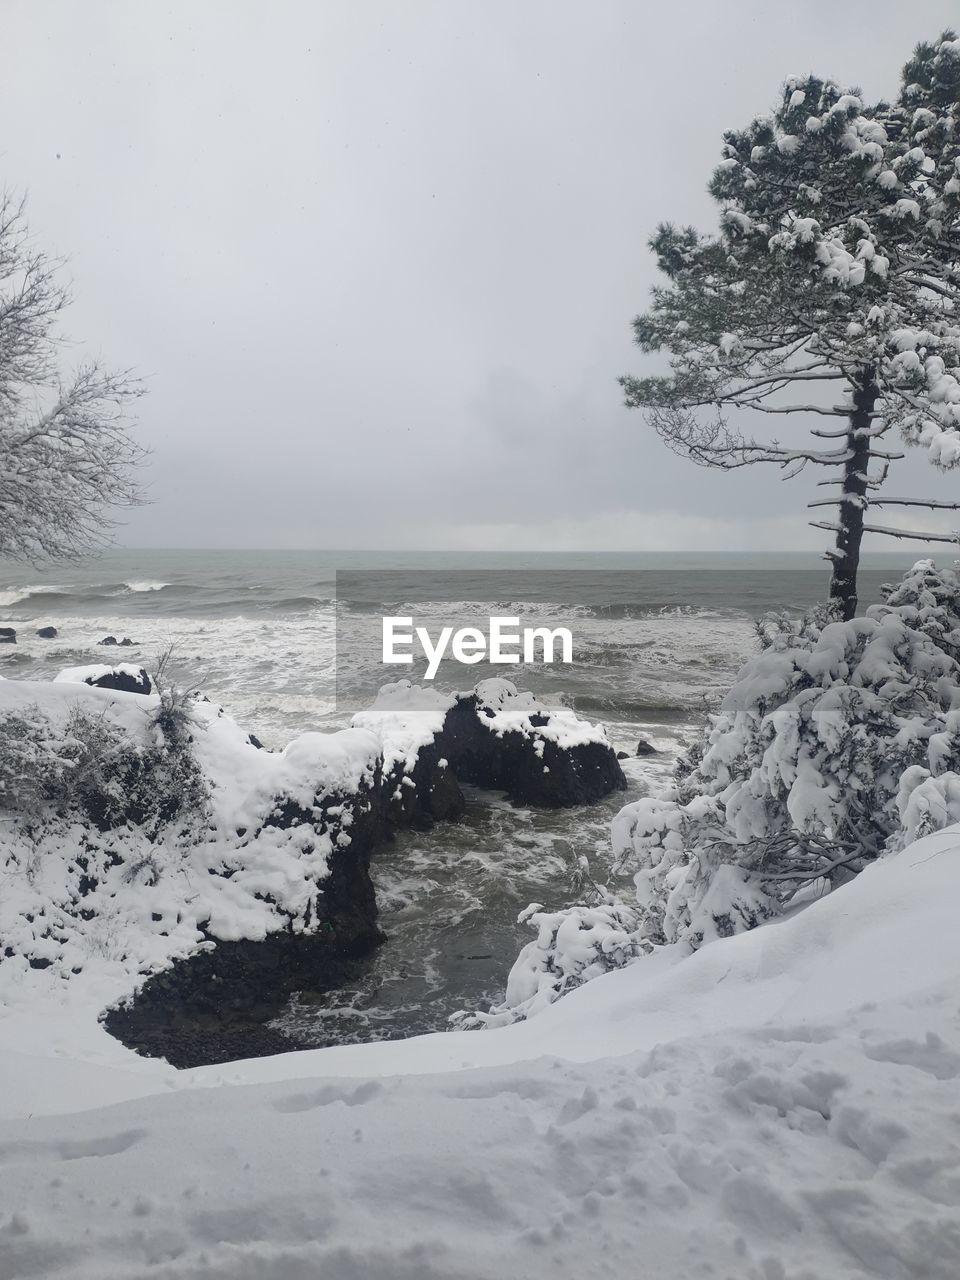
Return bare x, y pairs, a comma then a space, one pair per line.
122, 842
124, 678
495, 737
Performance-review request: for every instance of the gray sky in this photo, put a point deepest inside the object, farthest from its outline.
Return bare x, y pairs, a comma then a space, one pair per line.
377, 261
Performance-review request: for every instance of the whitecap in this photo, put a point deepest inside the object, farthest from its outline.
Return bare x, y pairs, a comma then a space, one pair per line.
10, 596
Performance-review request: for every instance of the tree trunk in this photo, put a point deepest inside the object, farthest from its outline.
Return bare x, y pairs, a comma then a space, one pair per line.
846, 555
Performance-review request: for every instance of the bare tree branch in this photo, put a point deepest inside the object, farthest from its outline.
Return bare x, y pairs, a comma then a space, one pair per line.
66, 455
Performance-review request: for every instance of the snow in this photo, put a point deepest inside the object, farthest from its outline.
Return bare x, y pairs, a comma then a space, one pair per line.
514, 712
406, 717
779, 1104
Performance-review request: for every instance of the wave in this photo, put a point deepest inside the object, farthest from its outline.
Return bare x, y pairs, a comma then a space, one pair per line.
639, 711
10, 596
145, 586
612, 610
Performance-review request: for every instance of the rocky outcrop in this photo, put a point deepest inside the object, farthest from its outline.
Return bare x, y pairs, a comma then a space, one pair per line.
247, 877
121, 679
8, 635
48, 633
215, 1006
526, 760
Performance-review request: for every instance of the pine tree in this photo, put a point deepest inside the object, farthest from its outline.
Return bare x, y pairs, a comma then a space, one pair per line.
836, 269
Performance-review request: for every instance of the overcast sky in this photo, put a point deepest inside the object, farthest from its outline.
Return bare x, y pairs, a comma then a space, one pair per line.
377, 262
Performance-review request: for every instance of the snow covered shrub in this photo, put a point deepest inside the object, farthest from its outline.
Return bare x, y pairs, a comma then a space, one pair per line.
572, 946
926, 803
87, 765
33, 763
797, 778
928, 599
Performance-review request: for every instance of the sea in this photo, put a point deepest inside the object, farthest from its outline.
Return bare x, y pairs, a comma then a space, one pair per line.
658, 638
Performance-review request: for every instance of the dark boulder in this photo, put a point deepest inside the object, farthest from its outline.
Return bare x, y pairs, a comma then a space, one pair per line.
645, 749
217, 1005
125, 643
48, 633
622, 755
531, 767
8, 635
124, 681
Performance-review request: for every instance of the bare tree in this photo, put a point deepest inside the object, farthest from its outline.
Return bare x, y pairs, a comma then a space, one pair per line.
836, 269
66, 456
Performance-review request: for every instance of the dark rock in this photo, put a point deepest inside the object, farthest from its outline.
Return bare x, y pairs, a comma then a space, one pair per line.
530, 768
254, 741
8, 635
645, 749
108, 640
48, 633
622, 755
215, 1006
127, 643
122, 681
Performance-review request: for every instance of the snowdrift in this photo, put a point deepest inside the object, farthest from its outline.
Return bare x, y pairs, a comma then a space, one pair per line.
779, 1105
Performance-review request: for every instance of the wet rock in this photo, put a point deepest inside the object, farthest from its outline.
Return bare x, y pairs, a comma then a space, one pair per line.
48, 633
215, 1006
622, 755
645, 749
123, 679
8, 635
532, 768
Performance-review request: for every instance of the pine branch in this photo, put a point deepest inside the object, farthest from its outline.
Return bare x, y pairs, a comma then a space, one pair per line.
918, 536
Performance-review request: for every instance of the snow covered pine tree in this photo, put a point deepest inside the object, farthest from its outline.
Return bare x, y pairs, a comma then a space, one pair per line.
837, 262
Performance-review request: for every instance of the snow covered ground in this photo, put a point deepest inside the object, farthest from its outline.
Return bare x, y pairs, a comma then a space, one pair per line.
781, 1105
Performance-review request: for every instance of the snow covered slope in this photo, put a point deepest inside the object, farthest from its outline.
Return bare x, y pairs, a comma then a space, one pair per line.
781, 1105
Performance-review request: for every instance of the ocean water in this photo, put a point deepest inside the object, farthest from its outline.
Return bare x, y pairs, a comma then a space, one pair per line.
657, 638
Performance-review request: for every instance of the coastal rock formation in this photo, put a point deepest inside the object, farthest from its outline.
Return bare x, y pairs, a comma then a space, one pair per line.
223, 877
8, 635
123, 678
48, 633
496, 737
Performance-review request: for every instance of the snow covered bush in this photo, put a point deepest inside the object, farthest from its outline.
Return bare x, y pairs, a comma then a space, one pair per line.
928, 599
88, 766
33, 761
810, 768
572, 946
